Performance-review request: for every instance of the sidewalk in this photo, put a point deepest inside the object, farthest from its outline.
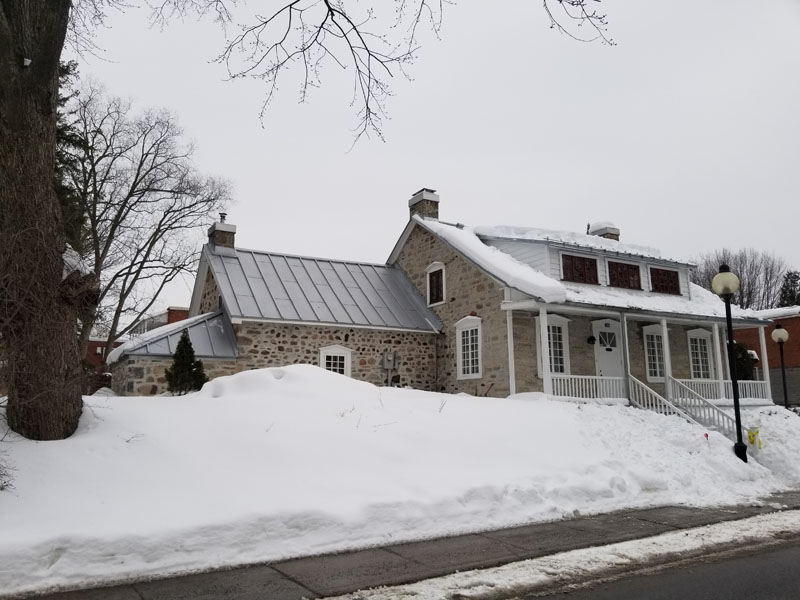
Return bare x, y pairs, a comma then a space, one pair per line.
329, 575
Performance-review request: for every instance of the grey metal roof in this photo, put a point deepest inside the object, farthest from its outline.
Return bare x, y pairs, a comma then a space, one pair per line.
280, 287
211, 334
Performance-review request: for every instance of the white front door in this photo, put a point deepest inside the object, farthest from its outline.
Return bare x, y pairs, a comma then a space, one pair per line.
607, 348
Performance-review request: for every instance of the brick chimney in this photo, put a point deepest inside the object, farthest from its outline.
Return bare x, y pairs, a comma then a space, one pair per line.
425, 203
222, 234
604, 230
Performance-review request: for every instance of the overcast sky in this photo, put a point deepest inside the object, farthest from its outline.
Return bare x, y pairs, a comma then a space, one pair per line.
685, 134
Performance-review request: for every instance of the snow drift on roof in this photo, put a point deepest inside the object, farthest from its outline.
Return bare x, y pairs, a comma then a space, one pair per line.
779, 313
496, 262
702, 303
568, 237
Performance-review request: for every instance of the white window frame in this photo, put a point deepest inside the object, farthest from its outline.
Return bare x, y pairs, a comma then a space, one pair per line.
654, 330
337, 350
707, 336
433, 267
651, 266
598, 260
623, 261
467, 324
553, 321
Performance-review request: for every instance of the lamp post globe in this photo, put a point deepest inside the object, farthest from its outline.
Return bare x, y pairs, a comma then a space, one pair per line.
781, 336
725, 284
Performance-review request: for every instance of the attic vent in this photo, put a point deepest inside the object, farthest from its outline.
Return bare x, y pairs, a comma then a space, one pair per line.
604, 229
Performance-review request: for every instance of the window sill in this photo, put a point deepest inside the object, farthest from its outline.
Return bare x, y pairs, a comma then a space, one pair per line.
475, 376
436, 304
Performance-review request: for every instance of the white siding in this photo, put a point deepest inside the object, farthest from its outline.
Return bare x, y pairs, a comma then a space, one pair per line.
532, 254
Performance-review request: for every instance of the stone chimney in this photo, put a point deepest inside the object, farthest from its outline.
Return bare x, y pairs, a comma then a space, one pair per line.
222, 234
425, 203
605, 230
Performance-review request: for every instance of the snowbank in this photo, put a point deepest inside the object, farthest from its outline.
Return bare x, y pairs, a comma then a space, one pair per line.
275, 463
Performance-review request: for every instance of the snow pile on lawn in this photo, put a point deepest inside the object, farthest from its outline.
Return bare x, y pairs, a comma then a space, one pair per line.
275, 463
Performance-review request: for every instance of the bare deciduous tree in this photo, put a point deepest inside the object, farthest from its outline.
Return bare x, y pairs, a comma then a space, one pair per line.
760, 275
39, 307
141, 197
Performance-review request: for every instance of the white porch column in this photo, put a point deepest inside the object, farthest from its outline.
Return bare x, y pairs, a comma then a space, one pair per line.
544, 344
512, 377
667, 358
626, 363
718, 361
764, 363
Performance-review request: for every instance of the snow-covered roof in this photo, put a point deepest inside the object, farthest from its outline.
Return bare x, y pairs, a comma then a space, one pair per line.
211, 335
569, 238
526, 279
779, 313
279, 287
504, 267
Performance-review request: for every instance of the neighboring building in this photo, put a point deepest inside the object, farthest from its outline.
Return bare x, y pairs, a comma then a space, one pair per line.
94, 352
483, 310
171, 315
789, 318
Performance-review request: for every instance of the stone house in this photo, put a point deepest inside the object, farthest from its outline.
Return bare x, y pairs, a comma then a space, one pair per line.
482, 310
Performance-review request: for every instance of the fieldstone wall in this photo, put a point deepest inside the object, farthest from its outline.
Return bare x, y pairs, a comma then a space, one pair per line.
468, 291
145, 376
272, 345
525, 373
209, 300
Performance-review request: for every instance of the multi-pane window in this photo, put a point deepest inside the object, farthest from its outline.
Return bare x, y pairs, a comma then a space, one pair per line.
579, 269
624, 275
654, 355
470, 357
335, 358
555, 336
335, 363
468, 339
664, 281
436, 286
557, 345
700, 354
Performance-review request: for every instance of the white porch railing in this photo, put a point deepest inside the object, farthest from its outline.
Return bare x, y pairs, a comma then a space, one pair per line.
701, 409
709, 388
644, 397
589, 386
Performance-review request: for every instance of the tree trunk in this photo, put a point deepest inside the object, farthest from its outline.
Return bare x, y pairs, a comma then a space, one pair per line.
38, 307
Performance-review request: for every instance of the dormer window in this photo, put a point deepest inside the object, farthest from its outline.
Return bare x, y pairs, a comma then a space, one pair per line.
435, 275
624, 275
664, 281
579, 269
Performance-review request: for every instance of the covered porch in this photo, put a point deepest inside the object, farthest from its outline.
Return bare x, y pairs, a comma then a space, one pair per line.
586, 352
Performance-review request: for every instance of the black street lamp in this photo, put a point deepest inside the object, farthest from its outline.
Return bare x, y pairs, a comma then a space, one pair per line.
780, 335
725, 284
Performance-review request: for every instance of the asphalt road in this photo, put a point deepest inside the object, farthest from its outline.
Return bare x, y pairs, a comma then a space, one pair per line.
771, 573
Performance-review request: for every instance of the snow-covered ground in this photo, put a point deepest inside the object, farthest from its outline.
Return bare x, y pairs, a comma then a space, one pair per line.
284, 462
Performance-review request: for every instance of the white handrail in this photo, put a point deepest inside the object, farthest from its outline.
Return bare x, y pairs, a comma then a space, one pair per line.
588, 386
709, 388
644, 397
701, 409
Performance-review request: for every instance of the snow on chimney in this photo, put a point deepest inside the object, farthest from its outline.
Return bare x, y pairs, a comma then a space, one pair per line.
425, 203
222, 234
604, 229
